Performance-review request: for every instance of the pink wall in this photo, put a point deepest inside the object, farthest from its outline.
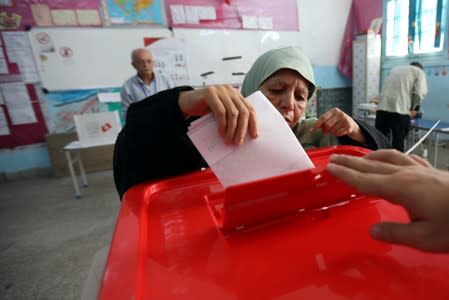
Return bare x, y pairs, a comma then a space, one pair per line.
359, 19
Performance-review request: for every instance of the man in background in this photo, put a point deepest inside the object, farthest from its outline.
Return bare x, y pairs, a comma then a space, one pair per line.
145, 83
401, 95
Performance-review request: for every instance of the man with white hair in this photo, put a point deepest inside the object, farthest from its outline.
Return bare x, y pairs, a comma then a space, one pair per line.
145, 83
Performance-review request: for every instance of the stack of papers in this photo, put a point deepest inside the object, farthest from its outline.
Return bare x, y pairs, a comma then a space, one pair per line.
274, 152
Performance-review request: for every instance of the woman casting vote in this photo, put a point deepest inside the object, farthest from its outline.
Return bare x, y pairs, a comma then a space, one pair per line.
153, 144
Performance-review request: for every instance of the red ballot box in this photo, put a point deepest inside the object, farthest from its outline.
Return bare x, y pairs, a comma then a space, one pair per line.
302, 235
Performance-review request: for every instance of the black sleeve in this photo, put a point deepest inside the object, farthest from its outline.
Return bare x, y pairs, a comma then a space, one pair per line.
153, 144
374, 138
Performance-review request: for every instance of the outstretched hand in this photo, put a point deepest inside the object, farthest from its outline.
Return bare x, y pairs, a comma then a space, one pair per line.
234, 114
407, 180
337, 123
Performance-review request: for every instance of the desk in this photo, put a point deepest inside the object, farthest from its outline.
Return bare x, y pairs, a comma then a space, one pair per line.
72, 154
422, 124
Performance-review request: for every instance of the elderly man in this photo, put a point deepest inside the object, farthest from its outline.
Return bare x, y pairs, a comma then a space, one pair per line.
145, 83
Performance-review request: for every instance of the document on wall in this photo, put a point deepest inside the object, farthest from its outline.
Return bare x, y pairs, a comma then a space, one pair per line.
18, 103
109, 97
4, 129
274, 152
19, 51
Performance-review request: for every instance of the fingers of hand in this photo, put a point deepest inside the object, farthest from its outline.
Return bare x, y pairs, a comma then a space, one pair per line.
218, 108
420, 160
365, 183
395, 157
362, 164
240, 118
335, 122
234, 115
416, 234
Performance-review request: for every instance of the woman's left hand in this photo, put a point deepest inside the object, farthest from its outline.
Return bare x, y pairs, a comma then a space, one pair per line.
338, 123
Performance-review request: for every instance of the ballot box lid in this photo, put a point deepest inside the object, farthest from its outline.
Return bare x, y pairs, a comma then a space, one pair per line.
166, 245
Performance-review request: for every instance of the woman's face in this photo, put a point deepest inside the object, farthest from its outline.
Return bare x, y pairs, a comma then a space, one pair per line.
288, 92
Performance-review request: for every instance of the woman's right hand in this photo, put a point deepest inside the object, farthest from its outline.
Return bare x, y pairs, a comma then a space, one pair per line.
234, 114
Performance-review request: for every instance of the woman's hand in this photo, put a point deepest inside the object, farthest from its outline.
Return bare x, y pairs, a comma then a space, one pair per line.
338, 123
234, 114
406, 180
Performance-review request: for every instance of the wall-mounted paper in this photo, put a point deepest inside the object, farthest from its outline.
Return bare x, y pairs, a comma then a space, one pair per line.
178, 14
18, 102
108, 97
88, 17
4, 128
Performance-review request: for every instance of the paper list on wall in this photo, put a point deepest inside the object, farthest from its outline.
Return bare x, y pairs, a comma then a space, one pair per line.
14, 41
19, 51
169, 59
4, 128
18, 103
3, 63
88, 17
41, 14
177, 14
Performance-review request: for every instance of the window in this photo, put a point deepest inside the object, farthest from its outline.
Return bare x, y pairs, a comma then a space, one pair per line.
414, 26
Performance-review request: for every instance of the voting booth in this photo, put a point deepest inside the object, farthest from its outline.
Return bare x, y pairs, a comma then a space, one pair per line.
302, 235
93, 130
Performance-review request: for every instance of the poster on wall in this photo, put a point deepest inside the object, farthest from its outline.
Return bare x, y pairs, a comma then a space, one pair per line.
24, 13
169, 59
134, 12
236, 14
21, 116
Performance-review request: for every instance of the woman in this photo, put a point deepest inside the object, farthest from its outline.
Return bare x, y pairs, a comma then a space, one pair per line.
154, 144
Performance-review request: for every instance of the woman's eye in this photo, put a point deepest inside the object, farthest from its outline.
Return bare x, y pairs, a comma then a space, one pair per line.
275, 91
300, 98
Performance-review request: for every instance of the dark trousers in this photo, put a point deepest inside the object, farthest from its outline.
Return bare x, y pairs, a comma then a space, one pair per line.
394, 125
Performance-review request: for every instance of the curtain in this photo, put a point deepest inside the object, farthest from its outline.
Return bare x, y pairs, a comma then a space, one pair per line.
359, 19
438, 19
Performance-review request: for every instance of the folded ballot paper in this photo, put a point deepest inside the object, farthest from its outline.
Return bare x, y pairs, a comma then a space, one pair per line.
274, 152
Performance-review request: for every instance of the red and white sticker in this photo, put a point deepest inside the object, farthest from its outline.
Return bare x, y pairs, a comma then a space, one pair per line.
66, 52
43, 38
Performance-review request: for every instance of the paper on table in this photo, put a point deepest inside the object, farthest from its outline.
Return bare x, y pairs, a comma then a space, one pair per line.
276, 151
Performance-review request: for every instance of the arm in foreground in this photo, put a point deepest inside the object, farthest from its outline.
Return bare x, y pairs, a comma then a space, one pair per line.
406, 180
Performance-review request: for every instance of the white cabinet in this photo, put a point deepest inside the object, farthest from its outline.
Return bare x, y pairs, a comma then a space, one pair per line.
365, 70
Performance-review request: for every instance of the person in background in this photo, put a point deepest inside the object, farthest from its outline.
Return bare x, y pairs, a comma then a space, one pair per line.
407, 180
285, 77
145, 83
401, 95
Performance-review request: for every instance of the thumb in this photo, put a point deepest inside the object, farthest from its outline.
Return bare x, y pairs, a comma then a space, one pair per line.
411, 234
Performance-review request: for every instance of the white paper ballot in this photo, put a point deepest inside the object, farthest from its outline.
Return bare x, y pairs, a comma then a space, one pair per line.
274, 152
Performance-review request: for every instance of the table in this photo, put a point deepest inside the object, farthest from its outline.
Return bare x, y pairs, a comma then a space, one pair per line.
423, 124
72, 154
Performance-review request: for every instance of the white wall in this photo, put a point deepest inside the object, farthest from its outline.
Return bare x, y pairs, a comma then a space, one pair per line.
322, 25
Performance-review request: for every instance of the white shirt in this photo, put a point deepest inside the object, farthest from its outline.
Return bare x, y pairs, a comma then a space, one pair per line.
135, 89
402, 85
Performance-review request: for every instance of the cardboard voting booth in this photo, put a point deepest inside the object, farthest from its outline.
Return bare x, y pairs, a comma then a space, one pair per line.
302, 235
93, 130
97, 128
